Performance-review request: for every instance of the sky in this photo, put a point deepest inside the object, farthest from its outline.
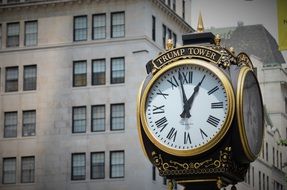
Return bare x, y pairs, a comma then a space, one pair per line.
227, 13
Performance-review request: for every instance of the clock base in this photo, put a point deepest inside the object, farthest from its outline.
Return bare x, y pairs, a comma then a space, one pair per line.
203, 184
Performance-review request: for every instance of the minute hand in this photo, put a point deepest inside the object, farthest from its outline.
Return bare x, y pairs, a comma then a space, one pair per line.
187, 105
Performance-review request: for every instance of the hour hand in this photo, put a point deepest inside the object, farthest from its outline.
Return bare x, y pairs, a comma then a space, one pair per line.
181, 86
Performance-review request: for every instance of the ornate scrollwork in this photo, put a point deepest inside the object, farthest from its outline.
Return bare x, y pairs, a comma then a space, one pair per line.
171, 166
227, 57
243, 59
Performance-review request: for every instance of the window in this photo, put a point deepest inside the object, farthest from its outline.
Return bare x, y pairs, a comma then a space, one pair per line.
80, 28
30, 77
9, 170
253, 177
11, 79
117, 70
164, 181
29, 123
31, 33
174, 39
183, 9
79, 119
80, 73
98, 118
117, 117
267, 182
281, 164
78, 166
153, 28
99, 72
164, 36
97, 165
263, 180
99, 26
168, 2
262, 150
117, 24
27, 169
13, 34
266, 150
273, 151
259, 180
174, 5
277, 158
117, 164
0, 36
153, 173
169, 33
10, 124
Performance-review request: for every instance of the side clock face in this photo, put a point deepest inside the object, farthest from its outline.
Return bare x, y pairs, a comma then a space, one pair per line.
250, 112
187, 107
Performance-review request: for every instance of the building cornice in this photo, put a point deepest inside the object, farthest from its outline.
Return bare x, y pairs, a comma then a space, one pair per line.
81, 44
172, 14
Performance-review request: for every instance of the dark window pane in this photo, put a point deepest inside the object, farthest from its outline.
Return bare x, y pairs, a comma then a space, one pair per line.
117, 70
80, 28
27, 169
78, 166
98, 165
79, 119
10, 124
80, 73
30, 77
11, 79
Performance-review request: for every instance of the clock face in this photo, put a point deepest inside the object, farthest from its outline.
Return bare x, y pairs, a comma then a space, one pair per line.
187, 107
252, 114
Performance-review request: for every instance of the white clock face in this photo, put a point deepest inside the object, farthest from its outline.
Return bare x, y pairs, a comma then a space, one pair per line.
186, 107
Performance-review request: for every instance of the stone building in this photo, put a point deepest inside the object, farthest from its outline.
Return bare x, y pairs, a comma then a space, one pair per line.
70, 72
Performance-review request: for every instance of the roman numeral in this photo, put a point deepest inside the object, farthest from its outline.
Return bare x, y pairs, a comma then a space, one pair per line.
213, 90
172, 134
187, 138
213, 120
162, 94
161, 123
173, 82
187, 77
203, 134
157, 110
216, 105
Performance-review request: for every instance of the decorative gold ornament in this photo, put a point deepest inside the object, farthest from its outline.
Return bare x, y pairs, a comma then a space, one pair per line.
243, 59
169, 44
174, 167
217, 40
200, 27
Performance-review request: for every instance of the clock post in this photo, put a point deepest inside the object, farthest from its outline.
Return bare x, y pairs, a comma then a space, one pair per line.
198, 112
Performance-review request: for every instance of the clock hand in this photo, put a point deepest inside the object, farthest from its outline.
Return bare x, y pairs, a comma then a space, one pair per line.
187, 105
182, 89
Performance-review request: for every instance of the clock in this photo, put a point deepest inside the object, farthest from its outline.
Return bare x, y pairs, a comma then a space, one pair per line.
249, 112
187, 107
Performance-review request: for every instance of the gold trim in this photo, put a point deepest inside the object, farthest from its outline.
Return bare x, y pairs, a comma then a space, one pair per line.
239, 111
139, 120
167, 166
229, 117
196, 180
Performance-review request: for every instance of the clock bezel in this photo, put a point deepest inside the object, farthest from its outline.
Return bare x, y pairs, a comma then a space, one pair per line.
240, 116
229, 116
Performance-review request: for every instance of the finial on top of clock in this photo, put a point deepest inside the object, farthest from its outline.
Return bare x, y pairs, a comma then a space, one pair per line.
200, 27
169, 44
217, 39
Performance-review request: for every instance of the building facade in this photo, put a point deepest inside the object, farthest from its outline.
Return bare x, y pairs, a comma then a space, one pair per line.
70, 72
267, 172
